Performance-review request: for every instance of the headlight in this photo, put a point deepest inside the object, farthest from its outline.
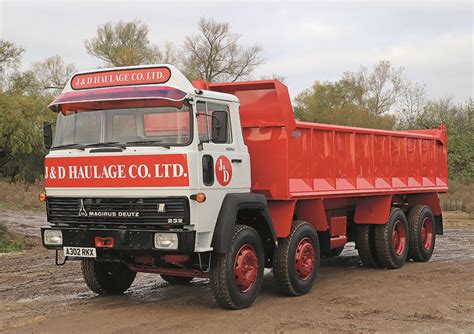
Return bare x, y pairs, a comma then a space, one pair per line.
166, 241
53, 237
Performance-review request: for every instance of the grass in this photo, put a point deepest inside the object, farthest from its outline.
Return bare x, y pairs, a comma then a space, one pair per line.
458, 219
20, 195
460, 196
13, 242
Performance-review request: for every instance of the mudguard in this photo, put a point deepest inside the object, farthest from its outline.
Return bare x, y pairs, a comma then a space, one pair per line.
232, 203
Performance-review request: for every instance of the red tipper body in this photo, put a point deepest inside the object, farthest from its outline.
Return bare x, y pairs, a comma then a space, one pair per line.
298, 164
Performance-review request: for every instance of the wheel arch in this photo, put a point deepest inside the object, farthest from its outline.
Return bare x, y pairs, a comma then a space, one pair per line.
246, 209
373, 209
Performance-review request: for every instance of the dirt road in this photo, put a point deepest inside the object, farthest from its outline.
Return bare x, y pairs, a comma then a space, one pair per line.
438, 296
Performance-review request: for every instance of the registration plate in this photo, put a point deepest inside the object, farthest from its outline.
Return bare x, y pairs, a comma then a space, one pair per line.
80, 251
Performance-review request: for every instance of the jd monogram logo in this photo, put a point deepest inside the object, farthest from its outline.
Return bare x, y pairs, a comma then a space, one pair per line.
223, 170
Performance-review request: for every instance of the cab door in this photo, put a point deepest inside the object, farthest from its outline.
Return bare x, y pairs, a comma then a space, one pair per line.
222, 166
221, 162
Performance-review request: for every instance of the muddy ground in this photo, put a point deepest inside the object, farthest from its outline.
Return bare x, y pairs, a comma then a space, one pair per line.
438, 296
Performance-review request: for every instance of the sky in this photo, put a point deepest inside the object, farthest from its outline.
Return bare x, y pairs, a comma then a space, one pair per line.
302, 41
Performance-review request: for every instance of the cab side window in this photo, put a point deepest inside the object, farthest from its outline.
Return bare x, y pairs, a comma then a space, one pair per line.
204, 120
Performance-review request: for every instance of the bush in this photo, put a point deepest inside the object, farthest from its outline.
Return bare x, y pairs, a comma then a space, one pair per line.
21, 136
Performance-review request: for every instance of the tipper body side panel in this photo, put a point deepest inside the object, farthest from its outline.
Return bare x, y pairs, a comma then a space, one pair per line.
291, 159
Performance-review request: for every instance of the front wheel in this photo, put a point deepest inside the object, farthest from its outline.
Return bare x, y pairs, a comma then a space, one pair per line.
296, 260
236, 277
107, 278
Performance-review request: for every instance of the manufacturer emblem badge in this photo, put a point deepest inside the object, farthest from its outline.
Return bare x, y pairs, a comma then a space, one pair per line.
82, 209
161, 207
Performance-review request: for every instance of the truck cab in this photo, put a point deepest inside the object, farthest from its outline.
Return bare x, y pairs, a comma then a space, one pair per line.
138, 169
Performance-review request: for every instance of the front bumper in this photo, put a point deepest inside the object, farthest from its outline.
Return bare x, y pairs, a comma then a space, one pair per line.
129, 240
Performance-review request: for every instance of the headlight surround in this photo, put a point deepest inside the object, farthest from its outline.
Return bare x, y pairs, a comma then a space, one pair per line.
166, 241
53, 237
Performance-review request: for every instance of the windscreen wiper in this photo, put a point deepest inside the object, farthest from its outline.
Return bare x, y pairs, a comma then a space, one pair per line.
148, 143
107, 143
75, 146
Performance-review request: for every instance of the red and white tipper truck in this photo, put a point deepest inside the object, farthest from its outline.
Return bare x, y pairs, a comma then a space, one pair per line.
148, 172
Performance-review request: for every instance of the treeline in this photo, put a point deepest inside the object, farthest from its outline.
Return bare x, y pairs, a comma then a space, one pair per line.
378, 97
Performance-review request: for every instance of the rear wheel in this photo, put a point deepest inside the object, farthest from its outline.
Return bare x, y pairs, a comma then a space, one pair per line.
107, 278
391, 240
366, 245
176, 280
296, 260
422, 231
236, 277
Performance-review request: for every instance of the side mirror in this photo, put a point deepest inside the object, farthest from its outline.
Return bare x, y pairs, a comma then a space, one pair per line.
219, 126
47, 135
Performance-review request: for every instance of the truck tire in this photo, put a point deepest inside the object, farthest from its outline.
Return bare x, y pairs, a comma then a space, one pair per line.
422, 231
296, 260
332, 253
365, 244
391, 240
107, 278
236, 277
176, 280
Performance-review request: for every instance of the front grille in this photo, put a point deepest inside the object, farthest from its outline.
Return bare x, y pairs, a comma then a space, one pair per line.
118, 211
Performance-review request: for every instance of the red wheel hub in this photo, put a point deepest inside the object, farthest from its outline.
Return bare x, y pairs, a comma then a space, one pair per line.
399, 238
245, 268
427, 233
305, 258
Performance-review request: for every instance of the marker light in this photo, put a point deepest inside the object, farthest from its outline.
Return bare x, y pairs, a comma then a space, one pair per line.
200, 198
104, 242
53, 237
166, 241
42, 197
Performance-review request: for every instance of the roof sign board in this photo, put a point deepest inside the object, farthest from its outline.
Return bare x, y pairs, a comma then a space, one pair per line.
117, 77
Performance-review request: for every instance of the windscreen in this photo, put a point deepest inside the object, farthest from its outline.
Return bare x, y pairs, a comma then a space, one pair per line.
161, 126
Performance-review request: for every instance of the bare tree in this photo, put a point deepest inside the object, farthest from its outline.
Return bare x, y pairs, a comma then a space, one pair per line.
412, 103
10, 59
169, 55
10, 54
216, 55
382, 86
442, 110
52, 73
123, 44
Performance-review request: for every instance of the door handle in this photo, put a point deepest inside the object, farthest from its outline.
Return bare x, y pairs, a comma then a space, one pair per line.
236, 161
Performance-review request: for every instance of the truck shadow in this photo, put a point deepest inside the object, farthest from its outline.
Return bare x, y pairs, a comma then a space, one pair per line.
150, 289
